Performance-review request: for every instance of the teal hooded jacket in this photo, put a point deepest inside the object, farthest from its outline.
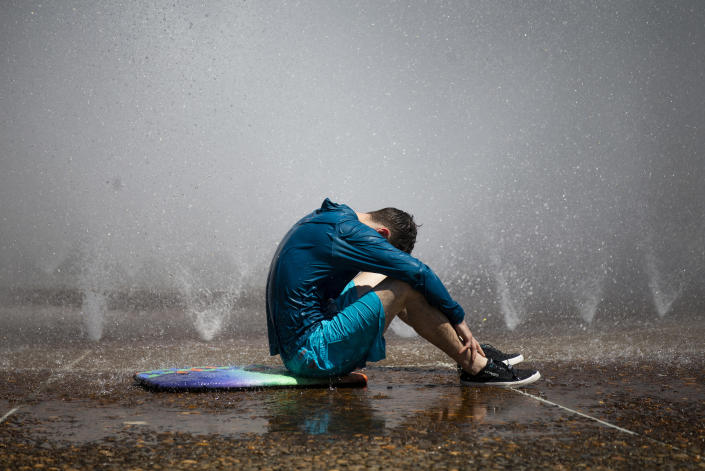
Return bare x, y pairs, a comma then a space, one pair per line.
318, 257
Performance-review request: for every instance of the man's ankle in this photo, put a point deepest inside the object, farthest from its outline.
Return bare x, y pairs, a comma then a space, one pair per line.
477, 366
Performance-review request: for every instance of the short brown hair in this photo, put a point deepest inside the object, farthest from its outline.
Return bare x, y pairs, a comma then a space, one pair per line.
401, 225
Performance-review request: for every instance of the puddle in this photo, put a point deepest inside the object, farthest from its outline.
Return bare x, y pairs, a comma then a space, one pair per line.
84, 421
391, 402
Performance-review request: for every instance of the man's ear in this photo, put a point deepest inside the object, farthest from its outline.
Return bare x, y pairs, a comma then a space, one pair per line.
384, 232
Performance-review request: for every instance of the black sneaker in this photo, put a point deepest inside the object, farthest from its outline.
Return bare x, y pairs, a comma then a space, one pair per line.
499, 356
498, 374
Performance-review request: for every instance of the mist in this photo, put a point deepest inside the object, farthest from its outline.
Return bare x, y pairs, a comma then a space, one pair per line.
552, 152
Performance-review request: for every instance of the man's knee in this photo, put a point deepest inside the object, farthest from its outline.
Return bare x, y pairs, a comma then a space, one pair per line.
399, 288
366, 281
394, 295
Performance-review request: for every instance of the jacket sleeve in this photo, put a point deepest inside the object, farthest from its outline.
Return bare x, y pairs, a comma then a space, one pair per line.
357, 246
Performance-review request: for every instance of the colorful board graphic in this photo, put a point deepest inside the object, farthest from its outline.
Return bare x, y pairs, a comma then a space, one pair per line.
238, 377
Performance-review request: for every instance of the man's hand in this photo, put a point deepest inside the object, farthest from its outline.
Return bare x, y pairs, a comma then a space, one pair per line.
469, 342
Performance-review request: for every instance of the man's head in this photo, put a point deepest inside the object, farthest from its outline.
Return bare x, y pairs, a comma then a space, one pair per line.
401, 227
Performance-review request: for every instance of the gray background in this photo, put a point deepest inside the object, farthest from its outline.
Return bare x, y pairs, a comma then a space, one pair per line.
552, 150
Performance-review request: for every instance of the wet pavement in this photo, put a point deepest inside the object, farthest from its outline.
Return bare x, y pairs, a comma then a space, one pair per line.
627, 398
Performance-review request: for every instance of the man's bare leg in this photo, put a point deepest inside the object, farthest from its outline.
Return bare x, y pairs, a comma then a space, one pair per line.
398, 298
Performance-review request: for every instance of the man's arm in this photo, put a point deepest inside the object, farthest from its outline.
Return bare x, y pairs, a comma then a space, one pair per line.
468, 340
361, 248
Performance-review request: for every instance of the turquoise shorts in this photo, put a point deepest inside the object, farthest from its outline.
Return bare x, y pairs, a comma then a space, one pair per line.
346, 342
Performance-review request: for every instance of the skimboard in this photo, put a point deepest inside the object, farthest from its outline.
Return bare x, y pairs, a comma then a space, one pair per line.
204, 378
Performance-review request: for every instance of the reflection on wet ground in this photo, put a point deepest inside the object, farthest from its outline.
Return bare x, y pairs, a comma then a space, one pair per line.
341, 412
76, 405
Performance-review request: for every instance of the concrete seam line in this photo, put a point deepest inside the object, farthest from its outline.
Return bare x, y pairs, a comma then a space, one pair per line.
546, 401
71, 365
9, 413
44, 384
52, 377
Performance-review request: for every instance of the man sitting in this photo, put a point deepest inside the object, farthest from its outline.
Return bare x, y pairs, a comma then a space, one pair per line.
339, 278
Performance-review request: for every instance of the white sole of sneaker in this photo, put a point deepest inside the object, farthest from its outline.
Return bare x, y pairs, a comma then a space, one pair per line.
515, 360
523, 382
